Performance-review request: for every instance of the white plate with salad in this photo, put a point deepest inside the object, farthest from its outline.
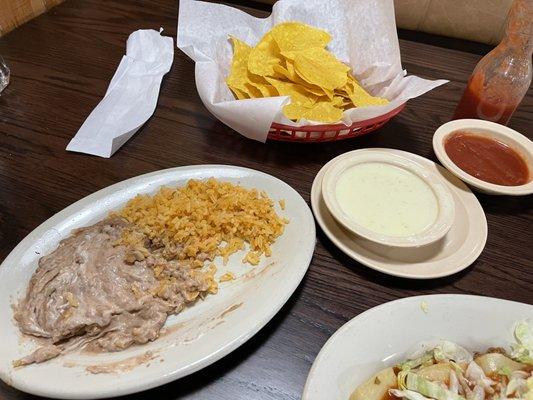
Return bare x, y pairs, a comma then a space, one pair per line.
443, 347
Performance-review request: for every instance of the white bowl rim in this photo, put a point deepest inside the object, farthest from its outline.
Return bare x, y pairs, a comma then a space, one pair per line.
446, 205
389, 306
512, 138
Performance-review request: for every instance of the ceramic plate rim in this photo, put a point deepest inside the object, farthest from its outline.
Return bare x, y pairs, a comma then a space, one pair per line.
172, 374
363, 260
388, 305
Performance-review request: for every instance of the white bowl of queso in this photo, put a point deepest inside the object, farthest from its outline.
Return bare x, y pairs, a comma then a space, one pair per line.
388, 199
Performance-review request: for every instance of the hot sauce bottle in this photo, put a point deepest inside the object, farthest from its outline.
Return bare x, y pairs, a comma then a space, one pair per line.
501, 79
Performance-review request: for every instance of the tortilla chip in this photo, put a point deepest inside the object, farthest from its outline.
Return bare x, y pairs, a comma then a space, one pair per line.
291, 36
291, 60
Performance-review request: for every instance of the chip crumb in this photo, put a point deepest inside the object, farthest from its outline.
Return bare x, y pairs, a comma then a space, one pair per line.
424, 306
282, 204
228, 276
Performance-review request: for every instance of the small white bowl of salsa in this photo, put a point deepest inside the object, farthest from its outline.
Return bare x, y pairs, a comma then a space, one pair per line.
490, 157
388, 198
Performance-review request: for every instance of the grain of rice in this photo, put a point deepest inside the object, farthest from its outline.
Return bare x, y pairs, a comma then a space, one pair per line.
205, 219
228, 276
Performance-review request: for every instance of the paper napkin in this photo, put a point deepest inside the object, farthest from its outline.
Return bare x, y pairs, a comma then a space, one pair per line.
131, 97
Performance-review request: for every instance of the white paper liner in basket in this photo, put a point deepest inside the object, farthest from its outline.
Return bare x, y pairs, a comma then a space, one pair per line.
363, 36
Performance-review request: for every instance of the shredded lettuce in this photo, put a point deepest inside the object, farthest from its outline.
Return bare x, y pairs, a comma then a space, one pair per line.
425, 359
449, 351
467, 376
505, 370
475, 374
520, 388
441, 350
408, 394
523, 349
429, 389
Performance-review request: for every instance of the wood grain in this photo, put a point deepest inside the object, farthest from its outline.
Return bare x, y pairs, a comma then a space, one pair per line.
15, 12
61, 65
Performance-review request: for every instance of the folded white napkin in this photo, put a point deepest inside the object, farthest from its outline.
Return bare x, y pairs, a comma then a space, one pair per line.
131, 97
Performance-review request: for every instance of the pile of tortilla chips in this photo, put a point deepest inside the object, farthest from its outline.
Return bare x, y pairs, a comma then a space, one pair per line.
291, 60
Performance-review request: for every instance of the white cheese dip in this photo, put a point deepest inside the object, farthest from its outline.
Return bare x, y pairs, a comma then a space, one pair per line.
386, 199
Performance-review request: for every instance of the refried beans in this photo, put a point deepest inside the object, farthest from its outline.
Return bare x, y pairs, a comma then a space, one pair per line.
93, 293
112, 285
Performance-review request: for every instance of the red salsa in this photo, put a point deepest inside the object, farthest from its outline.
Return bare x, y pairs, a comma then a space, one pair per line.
487, 159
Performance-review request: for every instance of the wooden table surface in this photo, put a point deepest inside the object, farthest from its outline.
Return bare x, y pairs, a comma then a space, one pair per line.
61, 65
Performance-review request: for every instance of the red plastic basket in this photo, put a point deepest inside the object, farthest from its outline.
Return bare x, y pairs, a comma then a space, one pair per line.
327, 133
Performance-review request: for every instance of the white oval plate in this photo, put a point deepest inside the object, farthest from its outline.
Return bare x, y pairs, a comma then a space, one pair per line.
457, 250
195, 338
386, 334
